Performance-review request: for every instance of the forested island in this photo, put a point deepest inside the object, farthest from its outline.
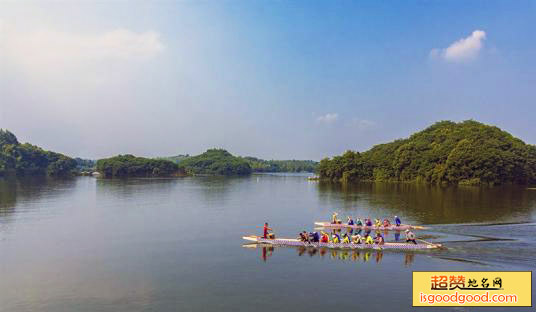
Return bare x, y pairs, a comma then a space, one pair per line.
257, 164
468, 152
27, 159
212, 162
132, 166
215, 162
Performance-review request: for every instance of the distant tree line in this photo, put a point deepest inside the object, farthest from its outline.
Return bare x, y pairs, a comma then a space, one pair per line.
28, 159
221, 162
85, 164
176, 159
261, 165
468, 152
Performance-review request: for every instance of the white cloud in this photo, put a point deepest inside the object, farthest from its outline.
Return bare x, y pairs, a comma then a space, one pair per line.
52, 79
462, 50
363, 124
47, 51
328, 118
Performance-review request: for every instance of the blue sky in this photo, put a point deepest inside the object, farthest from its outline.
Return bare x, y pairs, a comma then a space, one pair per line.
274, 79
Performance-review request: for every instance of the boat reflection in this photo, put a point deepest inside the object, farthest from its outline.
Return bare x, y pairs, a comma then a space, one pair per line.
334, 254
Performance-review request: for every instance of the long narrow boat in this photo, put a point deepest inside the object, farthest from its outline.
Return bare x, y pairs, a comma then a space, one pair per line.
401, 227
295, 242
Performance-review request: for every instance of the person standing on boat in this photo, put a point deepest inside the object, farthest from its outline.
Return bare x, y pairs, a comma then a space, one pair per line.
410, 237
334, 219
397, 221
266, 231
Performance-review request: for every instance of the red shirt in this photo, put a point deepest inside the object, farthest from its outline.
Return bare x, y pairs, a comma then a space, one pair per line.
265, 231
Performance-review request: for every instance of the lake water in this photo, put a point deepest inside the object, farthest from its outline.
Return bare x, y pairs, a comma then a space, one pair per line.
87, 244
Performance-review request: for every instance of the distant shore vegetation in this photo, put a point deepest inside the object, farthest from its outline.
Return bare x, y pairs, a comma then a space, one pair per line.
257, 164
261, 165
27, 159
465, 153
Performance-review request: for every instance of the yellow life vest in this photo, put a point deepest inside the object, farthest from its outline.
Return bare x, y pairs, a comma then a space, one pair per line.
335, 239
369, 240
346, 240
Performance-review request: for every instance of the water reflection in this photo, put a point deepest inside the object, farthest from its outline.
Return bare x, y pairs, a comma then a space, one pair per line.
127, 188
332, 254
14, 189
430, 204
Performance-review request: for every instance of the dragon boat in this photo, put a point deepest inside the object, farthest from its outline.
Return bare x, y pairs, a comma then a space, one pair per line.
401, 227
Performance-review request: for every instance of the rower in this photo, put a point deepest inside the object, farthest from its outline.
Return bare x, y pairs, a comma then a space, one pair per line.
368, 222
325, 237
356, 239
386, 223
410, 237
379, 239
397, 221
266, 232
336, 238
350, 221
368, 239
346, 239
359, 222
303, 236
314, 237
377, 222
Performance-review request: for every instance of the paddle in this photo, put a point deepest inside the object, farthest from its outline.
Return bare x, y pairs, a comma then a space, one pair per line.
422, 240
418, 227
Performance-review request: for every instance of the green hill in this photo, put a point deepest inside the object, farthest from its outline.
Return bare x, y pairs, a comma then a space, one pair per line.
28, 159
468, 152
216, 162
132, 166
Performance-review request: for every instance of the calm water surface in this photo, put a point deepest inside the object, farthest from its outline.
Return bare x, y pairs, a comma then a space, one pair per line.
88, 244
